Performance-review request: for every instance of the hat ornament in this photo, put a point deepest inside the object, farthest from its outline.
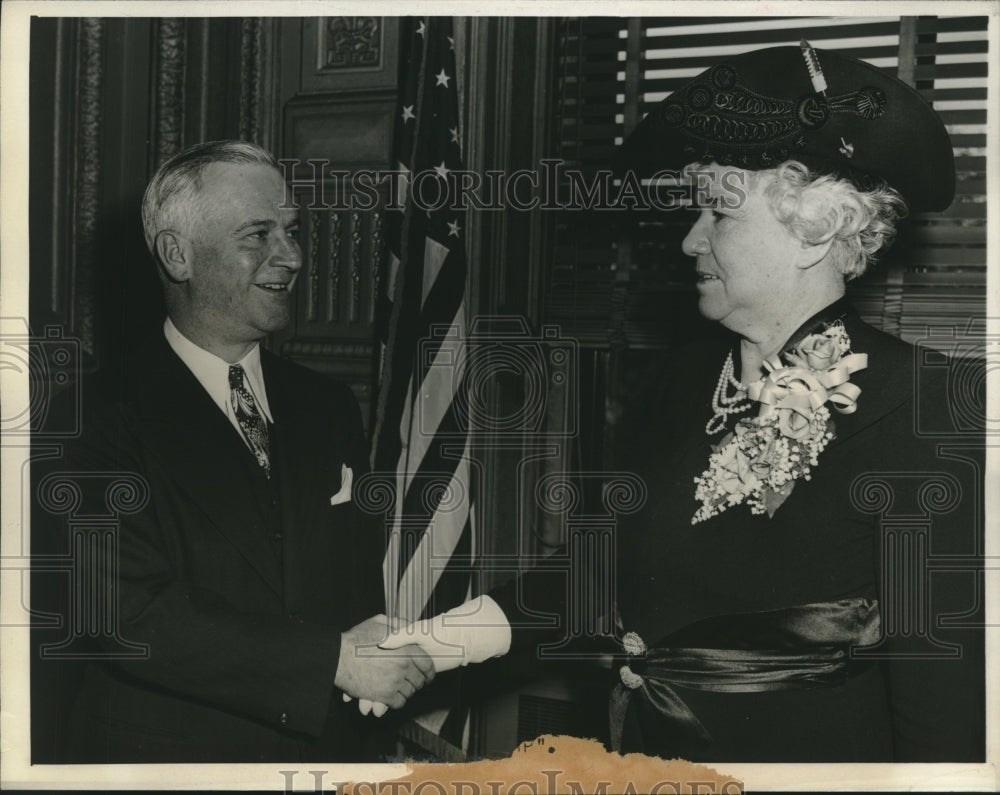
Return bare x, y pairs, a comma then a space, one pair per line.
812, 64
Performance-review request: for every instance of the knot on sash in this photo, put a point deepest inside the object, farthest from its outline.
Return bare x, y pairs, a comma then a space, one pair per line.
635, 648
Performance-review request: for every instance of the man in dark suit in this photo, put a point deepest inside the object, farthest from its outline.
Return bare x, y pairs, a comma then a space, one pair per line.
243, 582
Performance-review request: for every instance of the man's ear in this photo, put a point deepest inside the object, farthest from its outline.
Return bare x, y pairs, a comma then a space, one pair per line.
814, 253
175, 254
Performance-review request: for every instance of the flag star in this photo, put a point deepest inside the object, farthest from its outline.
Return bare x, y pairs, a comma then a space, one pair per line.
453, 228
442, 78
421, 29
408, 113
442, 170
451, 43
454, 134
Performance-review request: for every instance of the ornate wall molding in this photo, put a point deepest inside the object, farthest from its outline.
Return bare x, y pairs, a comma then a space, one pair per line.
377, 261
324, 347
345, 54
333, 276
168, 77
350, 43
356, 246
87, 187
251, 78
312, 282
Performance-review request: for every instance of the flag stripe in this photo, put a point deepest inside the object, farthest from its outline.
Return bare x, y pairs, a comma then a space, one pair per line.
421, 434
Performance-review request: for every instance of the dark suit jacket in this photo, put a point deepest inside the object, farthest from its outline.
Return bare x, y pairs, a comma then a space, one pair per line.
896, 465
238, 587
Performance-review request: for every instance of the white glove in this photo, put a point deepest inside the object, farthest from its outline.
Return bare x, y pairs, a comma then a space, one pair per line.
366, 705
470, 633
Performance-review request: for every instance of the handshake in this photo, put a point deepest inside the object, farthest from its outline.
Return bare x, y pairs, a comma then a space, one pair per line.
383, 665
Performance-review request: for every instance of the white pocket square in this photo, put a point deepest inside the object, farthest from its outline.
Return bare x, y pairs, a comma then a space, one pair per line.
346, 479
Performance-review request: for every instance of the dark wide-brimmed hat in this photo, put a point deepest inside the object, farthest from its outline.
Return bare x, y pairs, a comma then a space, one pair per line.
833, 113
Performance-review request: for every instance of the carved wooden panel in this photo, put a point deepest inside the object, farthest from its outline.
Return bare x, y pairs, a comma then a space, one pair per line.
343, 254
338, 93
67, 139
169, 65
88, 179
350, 43
355, 133
254, 79
349, 53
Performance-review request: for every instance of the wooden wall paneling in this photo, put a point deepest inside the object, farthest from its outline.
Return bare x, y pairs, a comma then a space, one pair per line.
130, 306
259, 64
508, 96
87, 181
90, 116
52, 122
335, 82
349, 54
343, 254
350, 133
169, 51
508, 108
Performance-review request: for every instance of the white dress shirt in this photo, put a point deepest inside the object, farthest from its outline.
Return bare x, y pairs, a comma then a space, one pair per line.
213, 374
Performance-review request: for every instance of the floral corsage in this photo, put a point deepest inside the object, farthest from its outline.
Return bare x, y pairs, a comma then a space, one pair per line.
762, 458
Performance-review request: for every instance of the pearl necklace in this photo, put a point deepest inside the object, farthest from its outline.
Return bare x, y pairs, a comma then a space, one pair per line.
722, 404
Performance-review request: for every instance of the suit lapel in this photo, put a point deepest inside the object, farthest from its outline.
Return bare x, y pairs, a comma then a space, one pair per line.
886, 384
204, 455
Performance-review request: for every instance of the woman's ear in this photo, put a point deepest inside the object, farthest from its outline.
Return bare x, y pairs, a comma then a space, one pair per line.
175, 254
814, 253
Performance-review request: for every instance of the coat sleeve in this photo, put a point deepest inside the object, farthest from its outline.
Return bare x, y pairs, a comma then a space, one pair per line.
930, 536
242, 659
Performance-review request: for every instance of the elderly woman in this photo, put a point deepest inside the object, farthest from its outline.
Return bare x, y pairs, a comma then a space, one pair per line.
774, 592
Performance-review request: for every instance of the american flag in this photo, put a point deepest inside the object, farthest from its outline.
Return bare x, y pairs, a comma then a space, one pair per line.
419, 433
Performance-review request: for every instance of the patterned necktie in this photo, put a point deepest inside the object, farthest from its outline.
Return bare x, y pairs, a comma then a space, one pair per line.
254, 426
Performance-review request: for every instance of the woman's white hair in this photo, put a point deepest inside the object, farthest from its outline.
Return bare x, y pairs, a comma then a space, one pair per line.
170, 200
821, 208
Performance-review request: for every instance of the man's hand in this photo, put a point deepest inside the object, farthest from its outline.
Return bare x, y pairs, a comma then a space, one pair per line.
389, 676
470, 633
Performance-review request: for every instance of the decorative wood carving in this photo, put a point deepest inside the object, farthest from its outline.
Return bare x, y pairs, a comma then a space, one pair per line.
60, 174
333, 293
251, 78
313, 264
356, 248
302, 346
341, 55
351, 42
87, 189
171, 47
337, 85
377, 262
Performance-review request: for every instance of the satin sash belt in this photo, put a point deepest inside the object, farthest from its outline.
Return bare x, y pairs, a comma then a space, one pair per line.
792, 648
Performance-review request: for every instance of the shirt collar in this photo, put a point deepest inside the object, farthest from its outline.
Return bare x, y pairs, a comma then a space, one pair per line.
213, 373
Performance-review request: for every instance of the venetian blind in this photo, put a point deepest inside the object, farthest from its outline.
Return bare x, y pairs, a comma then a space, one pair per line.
618, 279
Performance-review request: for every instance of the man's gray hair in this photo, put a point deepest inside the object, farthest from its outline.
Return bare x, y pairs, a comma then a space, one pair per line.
170, 198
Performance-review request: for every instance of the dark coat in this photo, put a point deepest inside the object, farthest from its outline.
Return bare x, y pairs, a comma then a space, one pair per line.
238, 586
897, 465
